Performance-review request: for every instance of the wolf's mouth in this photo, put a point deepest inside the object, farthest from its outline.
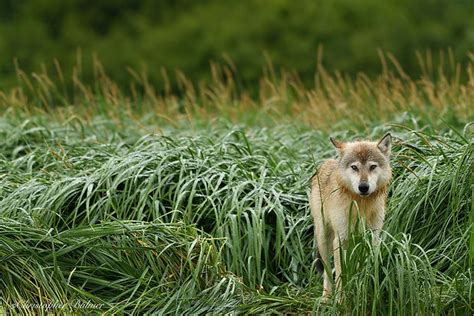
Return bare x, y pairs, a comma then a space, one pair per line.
364, 194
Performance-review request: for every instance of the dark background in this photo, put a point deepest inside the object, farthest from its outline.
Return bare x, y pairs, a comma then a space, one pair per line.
188, 34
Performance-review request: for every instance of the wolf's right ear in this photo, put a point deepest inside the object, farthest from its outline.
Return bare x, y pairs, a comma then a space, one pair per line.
339, 145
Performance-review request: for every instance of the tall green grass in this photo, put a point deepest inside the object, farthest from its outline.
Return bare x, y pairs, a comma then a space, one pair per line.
214, 219
197, 202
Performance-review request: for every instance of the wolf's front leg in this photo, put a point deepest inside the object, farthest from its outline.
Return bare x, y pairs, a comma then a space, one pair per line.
323, 237
327, 279
340, 237
376, 237
375, 226
337, 249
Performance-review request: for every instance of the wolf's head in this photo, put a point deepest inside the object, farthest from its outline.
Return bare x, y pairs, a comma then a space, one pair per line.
364, 166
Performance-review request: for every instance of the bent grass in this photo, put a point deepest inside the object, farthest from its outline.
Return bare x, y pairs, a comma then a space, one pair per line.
138, 204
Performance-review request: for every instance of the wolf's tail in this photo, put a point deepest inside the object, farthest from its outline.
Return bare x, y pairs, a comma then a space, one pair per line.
319, 263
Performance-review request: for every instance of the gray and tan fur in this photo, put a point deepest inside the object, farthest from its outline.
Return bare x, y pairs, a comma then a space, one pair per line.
361, 175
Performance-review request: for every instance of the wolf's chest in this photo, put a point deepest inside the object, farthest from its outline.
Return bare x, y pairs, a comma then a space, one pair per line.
364, 213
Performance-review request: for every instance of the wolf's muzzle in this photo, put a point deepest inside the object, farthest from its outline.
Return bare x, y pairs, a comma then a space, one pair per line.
364, 188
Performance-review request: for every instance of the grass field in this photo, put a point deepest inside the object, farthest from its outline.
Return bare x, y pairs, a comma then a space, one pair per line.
199, 203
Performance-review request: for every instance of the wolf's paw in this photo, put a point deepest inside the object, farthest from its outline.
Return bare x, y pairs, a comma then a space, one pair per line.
326, 297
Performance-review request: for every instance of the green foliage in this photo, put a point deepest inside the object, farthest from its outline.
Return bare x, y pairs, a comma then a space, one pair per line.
186, 35
215, 219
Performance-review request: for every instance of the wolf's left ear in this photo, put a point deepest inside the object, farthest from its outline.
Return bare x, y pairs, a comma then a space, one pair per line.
385, 144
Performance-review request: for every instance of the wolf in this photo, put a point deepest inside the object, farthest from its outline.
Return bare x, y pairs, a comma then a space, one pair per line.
356, 182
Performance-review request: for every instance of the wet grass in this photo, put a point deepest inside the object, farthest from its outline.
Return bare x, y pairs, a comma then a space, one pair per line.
198, 202
215, 219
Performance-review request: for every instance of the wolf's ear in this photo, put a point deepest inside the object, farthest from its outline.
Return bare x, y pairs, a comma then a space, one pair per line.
339, 145
385, 144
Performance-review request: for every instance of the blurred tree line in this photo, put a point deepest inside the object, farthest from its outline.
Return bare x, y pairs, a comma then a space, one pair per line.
187, 34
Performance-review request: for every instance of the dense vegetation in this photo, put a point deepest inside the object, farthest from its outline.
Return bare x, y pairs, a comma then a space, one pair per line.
154, 203
185, 35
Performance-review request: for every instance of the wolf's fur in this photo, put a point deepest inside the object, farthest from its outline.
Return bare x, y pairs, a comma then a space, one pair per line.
336, 186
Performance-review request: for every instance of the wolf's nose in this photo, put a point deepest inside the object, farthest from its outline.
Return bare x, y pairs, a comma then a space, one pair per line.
363, 188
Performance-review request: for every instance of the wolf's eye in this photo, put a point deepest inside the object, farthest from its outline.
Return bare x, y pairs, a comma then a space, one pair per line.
354, 167
373, 167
